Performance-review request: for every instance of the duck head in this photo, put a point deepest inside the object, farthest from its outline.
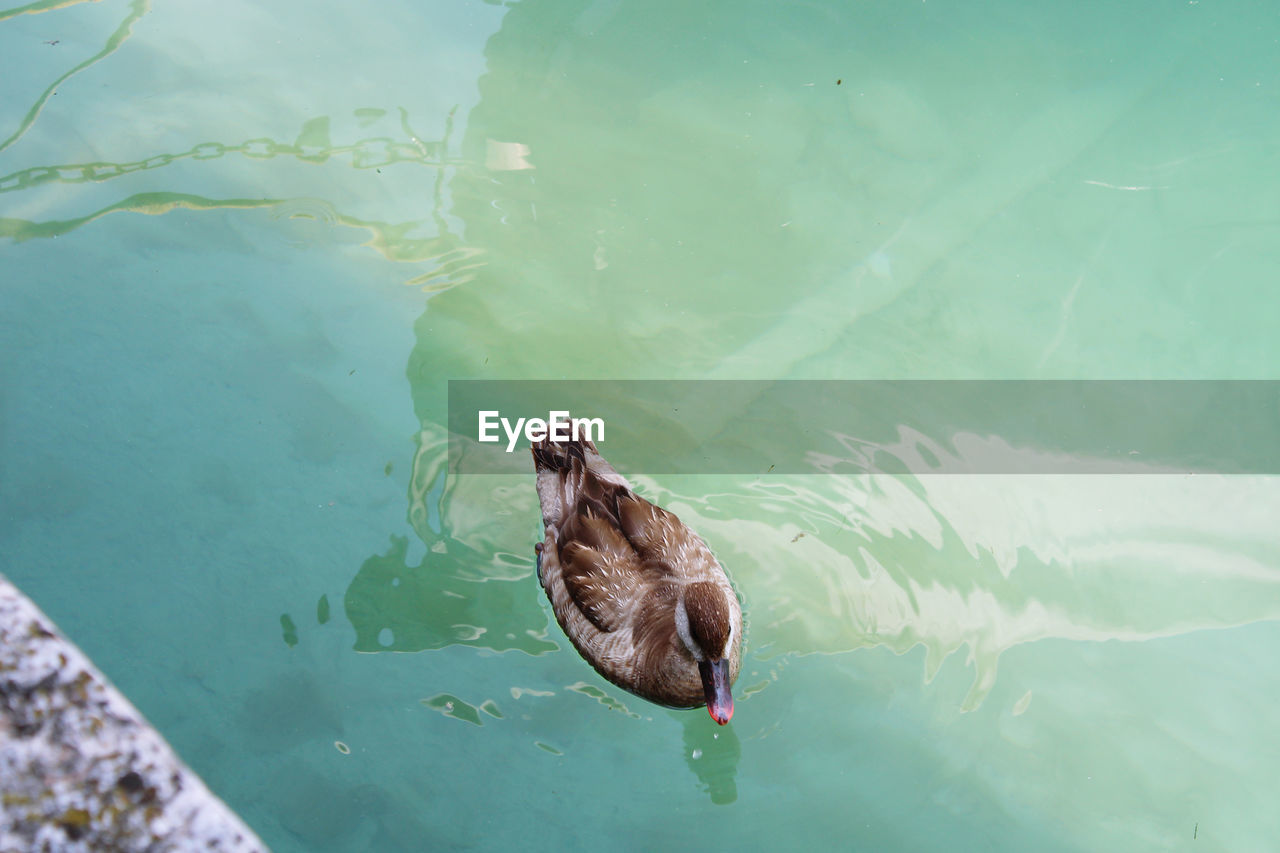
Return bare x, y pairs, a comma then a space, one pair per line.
706, 630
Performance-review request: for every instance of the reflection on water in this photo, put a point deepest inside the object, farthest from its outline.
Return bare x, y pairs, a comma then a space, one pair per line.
402, 608
987, 563
452, 706
618, 190
414, 241
136, 9
393, 145
831, 563
975, 564
712, 753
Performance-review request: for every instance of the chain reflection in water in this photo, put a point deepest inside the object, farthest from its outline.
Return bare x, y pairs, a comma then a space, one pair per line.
453, 263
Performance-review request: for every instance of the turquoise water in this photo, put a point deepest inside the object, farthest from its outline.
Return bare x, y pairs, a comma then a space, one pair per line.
243, 251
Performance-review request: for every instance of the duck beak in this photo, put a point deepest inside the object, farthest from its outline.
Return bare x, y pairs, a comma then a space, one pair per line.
715, 684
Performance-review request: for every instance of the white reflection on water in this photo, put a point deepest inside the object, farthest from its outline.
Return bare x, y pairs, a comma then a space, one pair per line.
987, 562
839, 562
833, 563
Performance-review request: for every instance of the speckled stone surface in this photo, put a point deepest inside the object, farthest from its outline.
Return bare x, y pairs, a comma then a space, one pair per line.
80, 769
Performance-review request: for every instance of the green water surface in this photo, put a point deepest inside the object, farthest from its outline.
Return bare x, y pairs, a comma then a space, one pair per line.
244, 248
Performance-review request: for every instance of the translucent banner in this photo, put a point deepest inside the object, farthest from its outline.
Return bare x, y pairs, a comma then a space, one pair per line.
868, 427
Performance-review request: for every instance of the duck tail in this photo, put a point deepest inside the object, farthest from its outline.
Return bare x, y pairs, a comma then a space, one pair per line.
574, 463
559, 455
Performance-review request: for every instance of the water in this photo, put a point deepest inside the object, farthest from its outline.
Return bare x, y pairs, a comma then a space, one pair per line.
244, 251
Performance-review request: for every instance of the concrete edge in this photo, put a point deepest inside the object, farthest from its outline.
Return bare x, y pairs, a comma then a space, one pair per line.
80, 768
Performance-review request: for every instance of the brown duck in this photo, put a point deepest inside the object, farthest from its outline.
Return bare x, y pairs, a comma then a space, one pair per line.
638, 593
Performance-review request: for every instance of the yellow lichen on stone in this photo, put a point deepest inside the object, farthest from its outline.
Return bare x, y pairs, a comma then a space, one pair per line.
75, 817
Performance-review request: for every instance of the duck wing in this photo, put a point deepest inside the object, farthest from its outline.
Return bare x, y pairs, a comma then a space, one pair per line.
602, 572
659, 537
608, 575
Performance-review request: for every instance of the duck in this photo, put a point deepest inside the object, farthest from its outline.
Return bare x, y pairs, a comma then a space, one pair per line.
638, 593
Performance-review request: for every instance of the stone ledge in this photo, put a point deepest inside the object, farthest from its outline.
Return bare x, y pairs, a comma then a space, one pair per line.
80, 769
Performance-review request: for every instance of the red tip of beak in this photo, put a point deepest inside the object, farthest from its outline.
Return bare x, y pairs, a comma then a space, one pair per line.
715, 685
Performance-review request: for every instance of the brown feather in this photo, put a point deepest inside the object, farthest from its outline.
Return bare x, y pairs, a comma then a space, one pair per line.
650, 528
655, 639
600, 569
